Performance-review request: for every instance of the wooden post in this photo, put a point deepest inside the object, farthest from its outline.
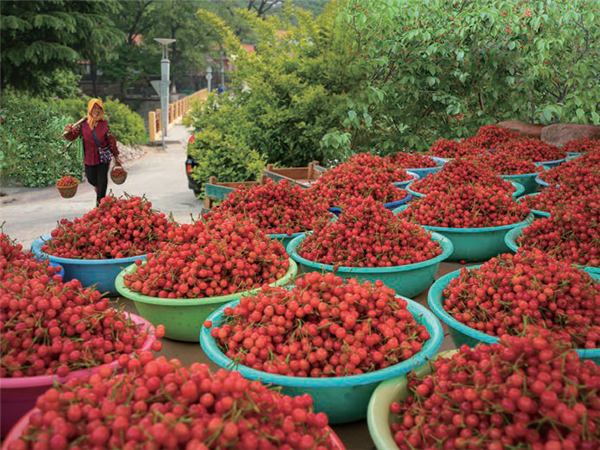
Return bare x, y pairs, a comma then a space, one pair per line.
311, 170
152, 125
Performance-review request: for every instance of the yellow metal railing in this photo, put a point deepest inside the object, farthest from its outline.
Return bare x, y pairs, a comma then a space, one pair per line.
176, 111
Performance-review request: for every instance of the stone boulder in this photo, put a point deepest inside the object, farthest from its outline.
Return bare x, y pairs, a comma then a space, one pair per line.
561, 133
129, 153
530, 130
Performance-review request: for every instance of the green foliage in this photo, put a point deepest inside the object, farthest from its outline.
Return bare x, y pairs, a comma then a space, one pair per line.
126, 125
442, 69
289, 93
225, 157
33, 152
40, 40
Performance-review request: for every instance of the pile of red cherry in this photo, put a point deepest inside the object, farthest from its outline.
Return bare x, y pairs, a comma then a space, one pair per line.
160, 404
582, 145
411, 160
213, 258
534, 150
509, 292
467, 206
277, 208
363, 175
580, 175
525, 392
50, 327
321, 328
461, 172
571, 234
508, 164
368, 235
118, 228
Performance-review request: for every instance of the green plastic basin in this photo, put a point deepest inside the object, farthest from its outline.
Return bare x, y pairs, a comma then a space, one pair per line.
511, 242
409, 280
388, 392
462, 334
183, 318
526, 180
475, 244
343, 399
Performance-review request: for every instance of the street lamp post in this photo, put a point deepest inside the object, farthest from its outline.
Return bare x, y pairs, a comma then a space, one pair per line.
209, 77
164, 84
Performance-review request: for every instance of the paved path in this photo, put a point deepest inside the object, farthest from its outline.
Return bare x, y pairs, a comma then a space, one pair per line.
30, 213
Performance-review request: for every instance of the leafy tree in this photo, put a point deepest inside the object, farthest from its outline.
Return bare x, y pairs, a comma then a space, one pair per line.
289, 93
40, 40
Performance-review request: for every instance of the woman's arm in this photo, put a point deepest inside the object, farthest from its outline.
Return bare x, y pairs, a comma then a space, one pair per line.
71, 133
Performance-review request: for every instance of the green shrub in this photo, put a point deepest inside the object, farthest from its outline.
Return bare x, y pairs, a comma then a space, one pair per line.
225, 157
126, 125
32, 149
286, 95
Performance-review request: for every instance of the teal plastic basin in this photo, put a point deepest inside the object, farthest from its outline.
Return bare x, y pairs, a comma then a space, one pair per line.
409, 280
183, 317
526, 180
101, 273
424, 172
403, 184
461, 334
550, 164
536, 213
519, 190
573, 155
475, 244
511, 242
343, 399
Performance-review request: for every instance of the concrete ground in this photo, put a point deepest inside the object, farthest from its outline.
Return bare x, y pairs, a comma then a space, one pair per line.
30, 213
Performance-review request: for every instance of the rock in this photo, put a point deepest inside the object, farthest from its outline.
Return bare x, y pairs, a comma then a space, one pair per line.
129, 153
561, 133
531, 130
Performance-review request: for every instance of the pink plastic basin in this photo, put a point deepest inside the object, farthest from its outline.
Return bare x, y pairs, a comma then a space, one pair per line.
22, 424
18, 395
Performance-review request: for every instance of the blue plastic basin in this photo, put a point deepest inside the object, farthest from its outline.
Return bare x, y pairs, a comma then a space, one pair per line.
61, 271
536, 213
526, 180
391, 206
461, 334
573, 155
90, 272
409, 280
403, 184
519, 189
343, 399
511, 242
441, 161
543, 183
475, 244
